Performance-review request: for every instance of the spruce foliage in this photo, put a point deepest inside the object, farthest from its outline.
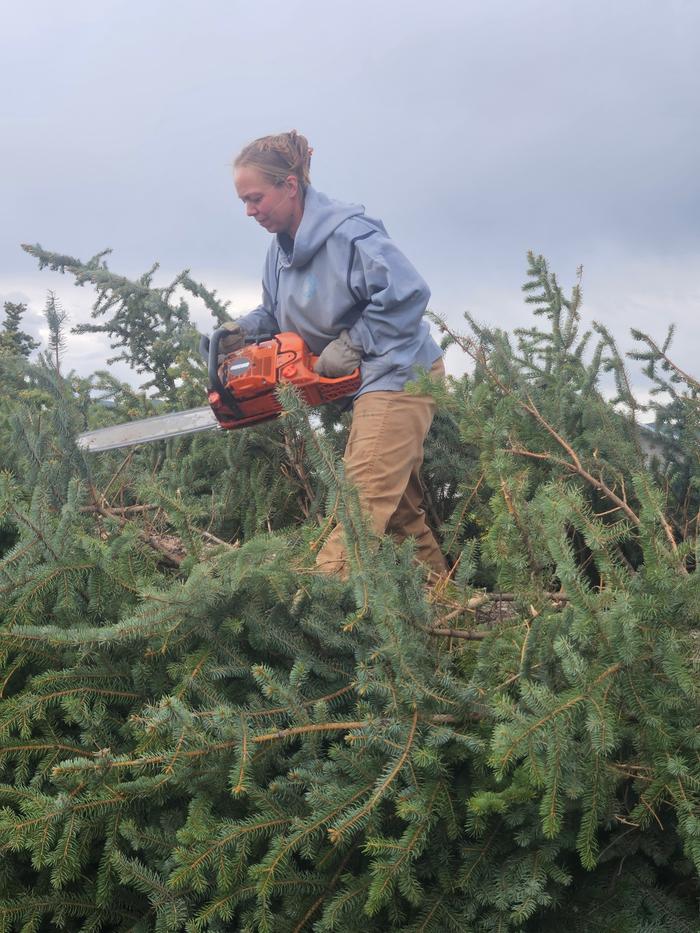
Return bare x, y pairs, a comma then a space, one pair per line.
199, 732
13, 340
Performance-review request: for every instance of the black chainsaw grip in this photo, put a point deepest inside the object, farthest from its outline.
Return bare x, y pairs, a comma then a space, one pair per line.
205, 342
209, 348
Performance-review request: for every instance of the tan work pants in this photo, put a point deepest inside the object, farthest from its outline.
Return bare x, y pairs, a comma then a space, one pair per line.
382, 459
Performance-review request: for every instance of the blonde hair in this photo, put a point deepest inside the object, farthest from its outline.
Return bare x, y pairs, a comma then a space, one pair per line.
277, 157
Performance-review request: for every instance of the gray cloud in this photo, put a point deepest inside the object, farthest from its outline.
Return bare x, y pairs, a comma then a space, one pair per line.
477, 131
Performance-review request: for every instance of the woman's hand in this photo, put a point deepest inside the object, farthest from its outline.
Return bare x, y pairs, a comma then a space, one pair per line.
339, 358
233, 340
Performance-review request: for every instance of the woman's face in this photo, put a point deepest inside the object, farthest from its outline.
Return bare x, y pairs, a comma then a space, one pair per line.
277, 208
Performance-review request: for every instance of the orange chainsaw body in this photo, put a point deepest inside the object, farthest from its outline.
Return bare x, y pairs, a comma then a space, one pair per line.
249, 377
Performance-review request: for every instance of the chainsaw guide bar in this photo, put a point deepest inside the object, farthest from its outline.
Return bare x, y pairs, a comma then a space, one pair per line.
157, 428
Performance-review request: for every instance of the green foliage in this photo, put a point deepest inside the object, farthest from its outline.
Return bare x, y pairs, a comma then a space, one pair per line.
150, 326
14, 341
199, 732
56, 318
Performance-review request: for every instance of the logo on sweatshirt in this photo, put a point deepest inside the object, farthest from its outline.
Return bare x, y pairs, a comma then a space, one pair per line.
309, 287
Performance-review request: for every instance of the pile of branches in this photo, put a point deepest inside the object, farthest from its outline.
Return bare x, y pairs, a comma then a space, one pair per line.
200, 732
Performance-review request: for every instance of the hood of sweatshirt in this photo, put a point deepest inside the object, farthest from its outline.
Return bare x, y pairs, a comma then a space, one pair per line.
322, 215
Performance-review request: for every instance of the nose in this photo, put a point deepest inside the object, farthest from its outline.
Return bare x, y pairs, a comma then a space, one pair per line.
251, 210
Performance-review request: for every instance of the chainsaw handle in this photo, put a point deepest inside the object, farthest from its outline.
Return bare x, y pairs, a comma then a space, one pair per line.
205, 342
209, 348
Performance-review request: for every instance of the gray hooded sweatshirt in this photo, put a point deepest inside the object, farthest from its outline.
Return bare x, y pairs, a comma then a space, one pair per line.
343, 272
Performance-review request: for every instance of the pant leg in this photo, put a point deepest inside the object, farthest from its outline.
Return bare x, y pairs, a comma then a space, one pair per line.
409, 518
409, 521
382, 459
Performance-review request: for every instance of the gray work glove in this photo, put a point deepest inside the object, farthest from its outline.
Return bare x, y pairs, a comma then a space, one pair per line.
233, 340
339, 358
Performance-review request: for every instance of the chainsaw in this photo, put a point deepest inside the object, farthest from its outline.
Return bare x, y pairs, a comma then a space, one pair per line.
241, 391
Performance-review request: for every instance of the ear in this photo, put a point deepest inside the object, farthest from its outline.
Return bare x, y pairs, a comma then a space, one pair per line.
292, 184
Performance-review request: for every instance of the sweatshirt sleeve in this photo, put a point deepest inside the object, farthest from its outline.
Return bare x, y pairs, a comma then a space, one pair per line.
395, 294
262, 319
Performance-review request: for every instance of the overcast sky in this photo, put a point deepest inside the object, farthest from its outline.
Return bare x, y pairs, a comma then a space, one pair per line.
476, 130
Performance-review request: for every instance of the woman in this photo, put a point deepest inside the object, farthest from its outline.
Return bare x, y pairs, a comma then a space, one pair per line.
333, 276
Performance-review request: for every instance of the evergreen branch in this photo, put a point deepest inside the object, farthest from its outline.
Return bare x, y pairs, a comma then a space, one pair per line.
115, 764
21, 707
457, 633
535, 561
150, 760
203, 858
479, 356
280, 710
662, 355
337, 907
49, 817
482, 852
296, 466
314, 727
22, 518
173, 758
576, 463
586, 841
21, 660
463, 511
200, 922
409, 676
425, 926
505, 757
303, 923
45, 904
405, 852
40, 746
336, 834
217, 308
240, 783
577, 469
286, 846
42, 584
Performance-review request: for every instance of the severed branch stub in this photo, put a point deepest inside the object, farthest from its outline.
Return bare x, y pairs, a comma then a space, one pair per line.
487, 609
